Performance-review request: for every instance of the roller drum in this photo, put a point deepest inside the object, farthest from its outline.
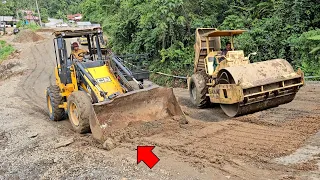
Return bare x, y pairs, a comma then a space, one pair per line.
238, 109
265, 85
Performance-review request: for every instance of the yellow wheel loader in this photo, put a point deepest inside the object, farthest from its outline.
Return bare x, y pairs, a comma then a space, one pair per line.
99, 93
229, 79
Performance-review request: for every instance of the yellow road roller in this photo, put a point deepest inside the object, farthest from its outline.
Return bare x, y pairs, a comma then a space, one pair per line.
227, 77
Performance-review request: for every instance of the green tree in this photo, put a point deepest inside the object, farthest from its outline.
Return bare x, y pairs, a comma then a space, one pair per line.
60, 15
165, 28
52, 6
44, 15
7, 9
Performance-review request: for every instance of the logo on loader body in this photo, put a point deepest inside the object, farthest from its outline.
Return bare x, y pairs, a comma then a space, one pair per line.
103, 80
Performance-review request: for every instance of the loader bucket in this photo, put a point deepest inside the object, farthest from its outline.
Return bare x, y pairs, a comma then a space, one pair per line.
264, 85
141, 107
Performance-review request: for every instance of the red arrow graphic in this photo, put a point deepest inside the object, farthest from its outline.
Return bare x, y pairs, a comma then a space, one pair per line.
145, 154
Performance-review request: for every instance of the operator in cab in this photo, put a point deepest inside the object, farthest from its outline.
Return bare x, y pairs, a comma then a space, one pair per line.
228, 48
78, 53
224, 52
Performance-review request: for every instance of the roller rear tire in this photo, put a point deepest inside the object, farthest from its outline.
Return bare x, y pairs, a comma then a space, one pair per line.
198, 89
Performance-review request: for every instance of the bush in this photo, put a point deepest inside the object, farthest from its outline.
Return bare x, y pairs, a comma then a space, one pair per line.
165, 29
19, 24
5, 50
176, 60
33, 26
304, 50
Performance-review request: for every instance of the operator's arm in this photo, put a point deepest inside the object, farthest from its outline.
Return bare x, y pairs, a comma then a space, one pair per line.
73, 54
83, 51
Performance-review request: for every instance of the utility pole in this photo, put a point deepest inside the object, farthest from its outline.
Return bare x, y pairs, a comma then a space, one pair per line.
3, 23
39, 13
17, 14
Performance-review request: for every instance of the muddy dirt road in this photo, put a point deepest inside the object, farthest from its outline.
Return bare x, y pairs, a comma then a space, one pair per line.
279, 143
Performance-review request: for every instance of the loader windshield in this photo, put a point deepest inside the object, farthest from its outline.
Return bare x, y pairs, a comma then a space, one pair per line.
92, 45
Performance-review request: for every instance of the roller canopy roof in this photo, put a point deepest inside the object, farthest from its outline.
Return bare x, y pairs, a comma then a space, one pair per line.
216, 33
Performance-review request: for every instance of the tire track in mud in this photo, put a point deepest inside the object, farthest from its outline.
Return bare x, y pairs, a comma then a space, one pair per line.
45, 70
24, 92
28, 93
40, 68
220, 161
51, 59
40, 73
222, 144
39, 76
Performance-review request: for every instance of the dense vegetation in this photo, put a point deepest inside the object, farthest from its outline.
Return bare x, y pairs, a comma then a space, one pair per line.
165, 28
48, 8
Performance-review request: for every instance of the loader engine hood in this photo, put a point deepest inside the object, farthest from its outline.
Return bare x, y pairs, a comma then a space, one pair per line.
106, 81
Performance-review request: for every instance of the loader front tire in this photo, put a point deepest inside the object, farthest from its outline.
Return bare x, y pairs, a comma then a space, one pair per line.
54, 99
79, 111
198, 89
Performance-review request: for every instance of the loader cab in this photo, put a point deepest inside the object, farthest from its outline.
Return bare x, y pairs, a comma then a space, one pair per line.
63, 46
101, 74
88, 39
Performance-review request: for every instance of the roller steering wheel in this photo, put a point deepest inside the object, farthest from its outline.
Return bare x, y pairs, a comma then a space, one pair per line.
222, 57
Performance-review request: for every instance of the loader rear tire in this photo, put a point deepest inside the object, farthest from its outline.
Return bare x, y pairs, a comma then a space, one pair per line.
198, 89
79, 111
54, 99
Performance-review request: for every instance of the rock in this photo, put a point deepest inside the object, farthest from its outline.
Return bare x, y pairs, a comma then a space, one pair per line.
64, 143
32, 135
109, 144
